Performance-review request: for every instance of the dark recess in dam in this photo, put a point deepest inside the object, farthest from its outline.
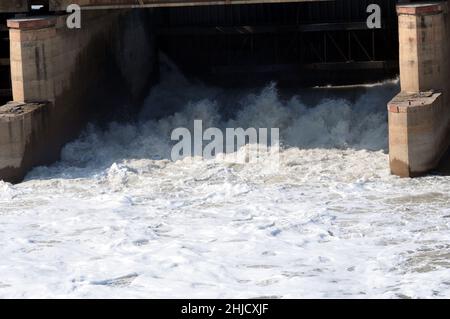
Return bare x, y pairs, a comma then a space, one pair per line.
309, 43
5, 74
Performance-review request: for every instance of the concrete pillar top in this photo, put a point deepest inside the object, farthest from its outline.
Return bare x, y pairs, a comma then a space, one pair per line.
413, 102
32, 23
422, 8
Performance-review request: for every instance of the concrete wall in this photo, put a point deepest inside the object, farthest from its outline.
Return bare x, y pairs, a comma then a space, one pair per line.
419, 117
60, 76
13, 6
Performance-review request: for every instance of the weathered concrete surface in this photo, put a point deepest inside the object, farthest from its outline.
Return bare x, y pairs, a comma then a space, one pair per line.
22, 127
419, 117
418, 127
13, 6
71, 73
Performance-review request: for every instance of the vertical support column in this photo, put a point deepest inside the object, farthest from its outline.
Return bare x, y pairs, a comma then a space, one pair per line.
422, 39
419, 116
32, 43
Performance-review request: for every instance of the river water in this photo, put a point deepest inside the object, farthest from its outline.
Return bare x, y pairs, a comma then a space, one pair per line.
117, 218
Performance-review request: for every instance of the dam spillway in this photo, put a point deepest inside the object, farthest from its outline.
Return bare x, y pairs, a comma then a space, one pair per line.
54, 69
117, 217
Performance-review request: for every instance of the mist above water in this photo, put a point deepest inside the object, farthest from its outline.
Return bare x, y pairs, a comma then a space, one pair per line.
319, 118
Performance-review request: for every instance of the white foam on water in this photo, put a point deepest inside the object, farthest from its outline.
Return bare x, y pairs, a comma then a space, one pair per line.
116, 218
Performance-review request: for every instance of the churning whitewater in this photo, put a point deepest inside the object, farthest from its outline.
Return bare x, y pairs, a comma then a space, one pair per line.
117, 218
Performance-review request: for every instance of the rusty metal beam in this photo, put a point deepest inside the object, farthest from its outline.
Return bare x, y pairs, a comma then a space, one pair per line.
189, 30
61, 5
285, 68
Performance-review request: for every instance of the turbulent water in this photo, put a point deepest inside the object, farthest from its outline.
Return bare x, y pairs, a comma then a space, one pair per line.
117, 218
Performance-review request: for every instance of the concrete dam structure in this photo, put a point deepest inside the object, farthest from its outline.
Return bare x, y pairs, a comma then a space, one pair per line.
54, 77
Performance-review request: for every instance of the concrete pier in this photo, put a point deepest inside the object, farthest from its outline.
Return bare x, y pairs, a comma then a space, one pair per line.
419, 117
59, 75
